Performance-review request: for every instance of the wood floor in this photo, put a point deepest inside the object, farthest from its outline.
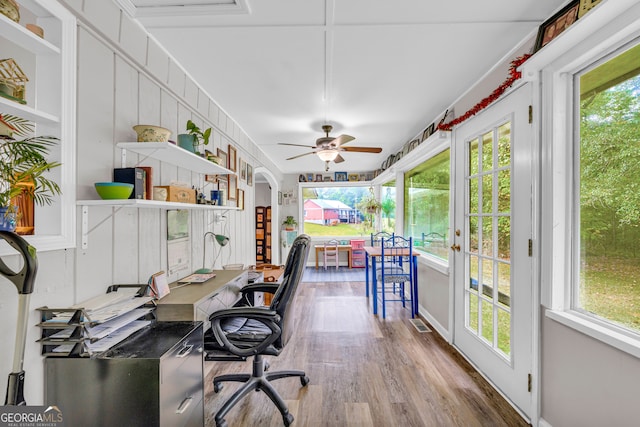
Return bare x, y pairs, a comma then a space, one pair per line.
364, 371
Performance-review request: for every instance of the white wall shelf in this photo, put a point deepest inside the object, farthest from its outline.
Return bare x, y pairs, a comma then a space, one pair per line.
26, 112
136, 204
25, 38
170, 153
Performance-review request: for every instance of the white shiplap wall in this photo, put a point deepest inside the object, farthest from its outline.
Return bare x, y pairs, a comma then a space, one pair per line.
126, 78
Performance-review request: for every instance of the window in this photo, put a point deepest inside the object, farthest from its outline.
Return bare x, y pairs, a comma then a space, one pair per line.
426, 205
388, 211
334, 211
607, 200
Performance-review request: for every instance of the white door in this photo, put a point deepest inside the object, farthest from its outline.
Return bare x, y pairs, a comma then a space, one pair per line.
492, 223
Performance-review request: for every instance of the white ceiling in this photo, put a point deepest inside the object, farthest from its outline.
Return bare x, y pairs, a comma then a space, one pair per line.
380, 71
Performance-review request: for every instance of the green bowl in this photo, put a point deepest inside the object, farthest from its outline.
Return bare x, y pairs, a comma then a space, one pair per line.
114, 190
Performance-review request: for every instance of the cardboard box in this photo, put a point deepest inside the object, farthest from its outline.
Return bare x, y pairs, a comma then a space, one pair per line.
179, 194
135, 176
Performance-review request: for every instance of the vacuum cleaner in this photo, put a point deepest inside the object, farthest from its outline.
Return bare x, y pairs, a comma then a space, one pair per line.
23, 281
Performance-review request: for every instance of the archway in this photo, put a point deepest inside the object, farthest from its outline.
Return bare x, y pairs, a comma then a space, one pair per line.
262, 174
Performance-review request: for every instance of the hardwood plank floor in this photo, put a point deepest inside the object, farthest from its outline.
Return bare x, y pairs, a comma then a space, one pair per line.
364, 371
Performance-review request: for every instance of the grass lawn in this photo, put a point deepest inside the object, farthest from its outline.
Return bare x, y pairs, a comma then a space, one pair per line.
342, 229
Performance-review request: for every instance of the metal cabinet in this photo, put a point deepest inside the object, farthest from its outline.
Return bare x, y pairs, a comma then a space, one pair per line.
154, 378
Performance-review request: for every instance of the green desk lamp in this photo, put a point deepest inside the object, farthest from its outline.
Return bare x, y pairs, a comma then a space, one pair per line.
222, 241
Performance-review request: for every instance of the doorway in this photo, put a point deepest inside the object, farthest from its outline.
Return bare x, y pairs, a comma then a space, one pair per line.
492, 264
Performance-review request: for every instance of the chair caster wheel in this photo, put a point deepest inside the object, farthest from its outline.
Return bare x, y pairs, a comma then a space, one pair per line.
304, 380
221, 423
217, 387
287, 419
266, 366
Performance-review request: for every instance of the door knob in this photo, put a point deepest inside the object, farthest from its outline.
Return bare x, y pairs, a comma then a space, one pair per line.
455, 248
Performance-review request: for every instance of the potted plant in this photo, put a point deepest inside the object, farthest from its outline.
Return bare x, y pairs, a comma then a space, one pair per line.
370, 204
23, 168
290, 223
194, 137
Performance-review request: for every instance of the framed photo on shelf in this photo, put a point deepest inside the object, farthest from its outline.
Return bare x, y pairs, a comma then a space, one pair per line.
585, 6
249, 174
233, 186
232, 165
240, 199
327, 178
552, 27
223, 156
353, 177
318, 177
309, 177
340, 176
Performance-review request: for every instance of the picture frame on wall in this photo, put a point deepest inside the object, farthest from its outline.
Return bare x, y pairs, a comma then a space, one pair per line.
240, 199
232, 165
233, 186
280, 197
249, 174
554, 26
223, 155
340, 176
243, 170
585, 6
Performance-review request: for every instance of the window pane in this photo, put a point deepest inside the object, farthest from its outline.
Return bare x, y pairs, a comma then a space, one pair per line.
487, 151
487, 236
473, 234
473, 313
426, 195
504, 145
332, 211
504, 331
609, 198
473, 195
388, 213
487, 320
474, 160
487, 193
504, 191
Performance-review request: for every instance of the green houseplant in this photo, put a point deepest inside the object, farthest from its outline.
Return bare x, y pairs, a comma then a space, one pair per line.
290, 223
23, 168
194, 137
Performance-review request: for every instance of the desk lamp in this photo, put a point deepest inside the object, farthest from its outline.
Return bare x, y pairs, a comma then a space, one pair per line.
222, 241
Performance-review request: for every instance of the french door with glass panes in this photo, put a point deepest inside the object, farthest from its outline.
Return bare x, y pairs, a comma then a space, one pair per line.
492, 223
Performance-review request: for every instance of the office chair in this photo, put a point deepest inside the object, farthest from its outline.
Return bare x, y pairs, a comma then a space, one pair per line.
261, 331
396, 268
331, 253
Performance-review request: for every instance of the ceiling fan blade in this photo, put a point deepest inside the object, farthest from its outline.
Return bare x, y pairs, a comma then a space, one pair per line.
362, 149
342, 139
297, 145
301, 155
338, 159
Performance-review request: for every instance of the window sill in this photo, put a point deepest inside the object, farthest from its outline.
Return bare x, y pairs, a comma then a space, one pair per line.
592, 329
433, 262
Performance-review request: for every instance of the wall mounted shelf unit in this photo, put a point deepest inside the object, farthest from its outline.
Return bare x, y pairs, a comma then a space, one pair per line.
49, 97
170, 153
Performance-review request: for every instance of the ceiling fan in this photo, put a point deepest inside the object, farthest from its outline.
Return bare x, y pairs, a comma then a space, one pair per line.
328, 148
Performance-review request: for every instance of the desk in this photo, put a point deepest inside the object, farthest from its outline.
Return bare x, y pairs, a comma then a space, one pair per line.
341, 248
197, 301
375, 252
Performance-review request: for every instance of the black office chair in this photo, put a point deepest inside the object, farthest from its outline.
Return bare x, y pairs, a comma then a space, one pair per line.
257, 331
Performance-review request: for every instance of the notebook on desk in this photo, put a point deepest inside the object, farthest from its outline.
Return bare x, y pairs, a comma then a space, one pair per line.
197, 278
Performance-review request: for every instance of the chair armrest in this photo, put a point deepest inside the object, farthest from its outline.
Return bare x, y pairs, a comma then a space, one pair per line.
269, 318
270, 287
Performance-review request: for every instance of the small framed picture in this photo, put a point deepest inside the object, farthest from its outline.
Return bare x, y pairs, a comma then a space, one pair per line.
279, 197
249, 174
552, 27
585, 6
223, 156
340, 176
302, 178
428, 131
243, 170
233, 186
353, 177
240, 199
309, 177
327, 178
231, 165
318, 177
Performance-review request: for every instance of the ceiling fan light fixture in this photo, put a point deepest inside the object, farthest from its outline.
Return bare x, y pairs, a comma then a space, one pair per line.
327, 155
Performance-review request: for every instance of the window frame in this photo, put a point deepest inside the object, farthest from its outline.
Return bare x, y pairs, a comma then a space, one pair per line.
559, 178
